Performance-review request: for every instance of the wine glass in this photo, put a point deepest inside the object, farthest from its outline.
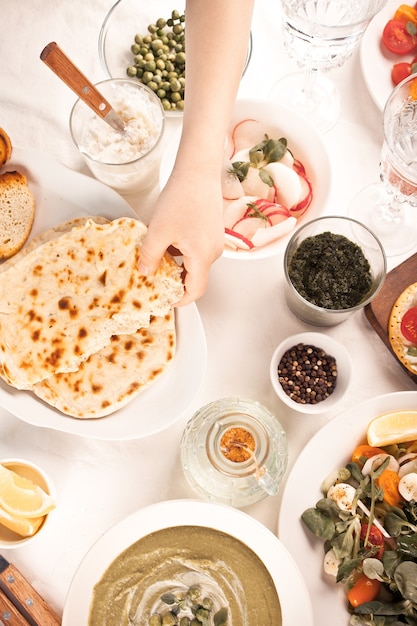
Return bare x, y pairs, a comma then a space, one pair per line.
320, 35
389, 206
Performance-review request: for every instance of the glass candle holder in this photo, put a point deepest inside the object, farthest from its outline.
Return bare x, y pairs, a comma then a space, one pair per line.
234, 451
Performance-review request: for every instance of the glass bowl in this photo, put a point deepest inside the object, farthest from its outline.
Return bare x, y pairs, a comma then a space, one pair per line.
339, 266
126, 19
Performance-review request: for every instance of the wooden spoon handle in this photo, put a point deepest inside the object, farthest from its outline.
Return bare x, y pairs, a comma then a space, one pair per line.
64, 68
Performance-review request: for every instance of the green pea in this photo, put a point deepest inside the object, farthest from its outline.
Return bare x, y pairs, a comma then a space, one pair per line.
131, 71
169, 620
147, 76
135, 48
175, 84
155, 620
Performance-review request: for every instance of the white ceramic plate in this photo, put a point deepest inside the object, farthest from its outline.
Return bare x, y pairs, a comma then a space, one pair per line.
376, 61
303, 141
62, 194
329, 449
294, 599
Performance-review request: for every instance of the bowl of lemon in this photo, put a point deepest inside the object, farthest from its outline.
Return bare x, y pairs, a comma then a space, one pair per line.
27, 497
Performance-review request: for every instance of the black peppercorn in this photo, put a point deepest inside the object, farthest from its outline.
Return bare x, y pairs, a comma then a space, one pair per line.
307, 374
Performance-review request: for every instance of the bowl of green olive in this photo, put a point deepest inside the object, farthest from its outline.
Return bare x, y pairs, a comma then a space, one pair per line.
145, 41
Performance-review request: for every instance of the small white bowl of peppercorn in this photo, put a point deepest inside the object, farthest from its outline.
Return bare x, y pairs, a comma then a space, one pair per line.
310, 372
333, 266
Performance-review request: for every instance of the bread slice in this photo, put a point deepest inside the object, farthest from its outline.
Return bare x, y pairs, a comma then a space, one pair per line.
5, 147
17, 211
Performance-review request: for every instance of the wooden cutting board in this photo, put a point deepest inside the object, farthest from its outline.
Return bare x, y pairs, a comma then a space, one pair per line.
378, 311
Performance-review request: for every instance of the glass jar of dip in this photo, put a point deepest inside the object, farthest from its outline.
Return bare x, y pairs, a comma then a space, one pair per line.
234, 451
127, 161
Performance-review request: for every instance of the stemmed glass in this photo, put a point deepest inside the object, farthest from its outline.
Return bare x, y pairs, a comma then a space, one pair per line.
388, 207
320, 35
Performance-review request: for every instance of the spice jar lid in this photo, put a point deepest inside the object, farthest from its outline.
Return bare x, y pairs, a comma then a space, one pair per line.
234, 451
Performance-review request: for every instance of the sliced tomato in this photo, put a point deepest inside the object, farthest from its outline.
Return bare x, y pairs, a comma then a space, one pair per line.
399, 37
409, 325
388, 482
375, 541
364, 590
363, 452
400, 71
405, 13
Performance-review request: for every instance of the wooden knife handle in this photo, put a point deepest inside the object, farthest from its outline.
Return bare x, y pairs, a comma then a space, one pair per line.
64, 68
9, 614
13, 581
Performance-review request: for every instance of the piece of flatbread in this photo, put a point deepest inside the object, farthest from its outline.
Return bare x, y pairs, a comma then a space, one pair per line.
399, 344
65, 299
112, 377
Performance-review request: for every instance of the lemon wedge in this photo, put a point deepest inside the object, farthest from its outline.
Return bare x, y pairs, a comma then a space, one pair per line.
395, 427
22, 526
22, 498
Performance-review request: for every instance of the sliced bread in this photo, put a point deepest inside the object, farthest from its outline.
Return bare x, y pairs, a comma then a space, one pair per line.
5, 147
17, 210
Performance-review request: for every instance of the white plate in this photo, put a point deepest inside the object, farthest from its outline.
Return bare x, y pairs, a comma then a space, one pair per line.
303, 141
376, 61
62, 194
294, 599
329, 449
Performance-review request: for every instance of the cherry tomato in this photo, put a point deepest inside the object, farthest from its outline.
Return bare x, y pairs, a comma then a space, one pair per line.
399, 37
388, 482
375, 540
400, 71
405, 13
409, 325
363, 452
364, 590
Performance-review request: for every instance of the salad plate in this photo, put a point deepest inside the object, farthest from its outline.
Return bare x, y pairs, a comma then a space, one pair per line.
292, 593
376, 61
304, 142
329, 449
62, 194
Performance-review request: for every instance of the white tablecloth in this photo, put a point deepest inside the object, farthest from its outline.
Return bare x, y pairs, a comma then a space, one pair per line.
244, 316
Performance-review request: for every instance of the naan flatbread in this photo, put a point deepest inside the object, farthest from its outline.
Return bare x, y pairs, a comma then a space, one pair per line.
112, 377
399, 343
62, 301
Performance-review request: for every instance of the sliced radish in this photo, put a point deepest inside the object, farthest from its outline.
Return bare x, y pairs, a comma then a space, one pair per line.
287, 183
231, 185
255, 186
408, 468
307, 195
267, 235
237, 241
240, 155
407, 486
248, 226
376, 461
234, 210
247, 132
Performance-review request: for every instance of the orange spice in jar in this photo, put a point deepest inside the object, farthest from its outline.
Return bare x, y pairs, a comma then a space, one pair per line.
237, 444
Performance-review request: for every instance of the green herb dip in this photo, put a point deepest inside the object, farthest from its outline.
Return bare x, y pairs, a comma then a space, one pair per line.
176, 558
330, 271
